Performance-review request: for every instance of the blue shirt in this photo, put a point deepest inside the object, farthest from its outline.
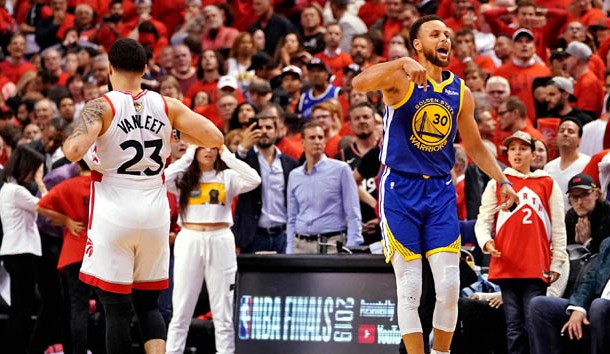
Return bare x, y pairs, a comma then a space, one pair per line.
419, 130
323, 200
273, 212
308, 100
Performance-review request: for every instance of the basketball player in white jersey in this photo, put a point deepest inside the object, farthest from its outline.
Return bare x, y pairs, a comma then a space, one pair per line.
125, 138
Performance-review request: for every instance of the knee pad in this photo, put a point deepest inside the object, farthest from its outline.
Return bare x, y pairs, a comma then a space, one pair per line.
446, 270
408, 290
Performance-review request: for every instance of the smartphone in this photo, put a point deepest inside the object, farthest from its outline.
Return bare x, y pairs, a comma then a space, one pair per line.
253, 120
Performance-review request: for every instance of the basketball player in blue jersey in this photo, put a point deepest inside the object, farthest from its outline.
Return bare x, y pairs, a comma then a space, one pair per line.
424, 107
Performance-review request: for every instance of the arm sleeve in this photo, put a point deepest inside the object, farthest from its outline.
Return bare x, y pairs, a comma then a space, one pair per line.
492, 17
175, 170
576, 308
482, 228
246, 178
558, 230
292, 211
556, 18
351, 207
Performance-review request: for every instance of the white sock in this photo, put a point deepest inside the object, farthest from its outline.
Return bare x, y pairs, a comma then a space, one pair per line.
439, 352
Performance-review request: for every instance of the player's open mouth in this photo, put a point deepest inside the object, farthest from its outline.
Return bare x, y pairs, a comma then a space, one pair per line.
443, 53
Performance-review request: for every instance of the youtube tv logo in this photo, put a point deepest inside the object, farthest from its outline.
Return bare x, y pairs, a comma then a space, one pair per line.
366, 334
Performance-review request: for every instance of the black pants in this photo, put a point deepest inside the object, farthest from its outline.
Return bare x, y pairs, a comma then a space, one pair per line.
52, 321
22, 270
79, 308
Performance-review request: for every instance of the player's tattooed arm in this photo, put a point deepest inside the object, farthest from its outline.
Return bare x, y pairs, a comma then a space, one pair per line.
87, 130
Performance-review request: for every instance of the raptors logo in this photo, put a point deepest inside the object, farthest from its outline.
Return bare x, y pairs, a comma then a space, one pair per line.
431, 124
89, 248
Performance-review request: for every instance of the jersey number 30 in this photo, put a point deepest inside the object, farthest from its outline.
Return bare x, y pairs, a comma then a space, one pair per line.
156, 144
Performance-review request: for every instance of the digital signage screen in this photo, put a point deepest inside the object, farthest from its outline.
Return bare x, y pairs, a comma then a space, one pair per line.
317, 307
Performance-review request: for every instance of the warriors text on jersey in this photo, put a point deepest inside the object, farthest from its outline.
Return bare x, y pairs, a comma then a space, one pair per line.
419, 130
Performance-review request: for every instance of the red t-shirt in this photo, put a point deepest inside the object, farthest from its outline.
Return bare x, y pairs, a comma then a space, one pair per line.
336, 65
589, 93
370, 12
592, 168
520, 80
71, 198
15, 72
332, 146
290, 148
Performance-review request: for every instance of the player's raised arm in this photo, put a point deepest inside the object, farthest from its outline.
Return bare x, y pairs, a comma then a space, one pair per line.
393, 78
199, 129
89, 127
477, 150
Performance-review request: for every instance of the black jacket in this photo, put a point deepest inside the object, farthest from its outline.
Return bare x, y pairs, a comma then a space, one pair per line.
600, 225
249, 205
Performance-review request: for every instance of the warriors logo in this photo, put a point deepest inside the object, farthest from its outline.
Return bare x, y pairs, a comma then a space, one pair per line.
431, 126
138, 106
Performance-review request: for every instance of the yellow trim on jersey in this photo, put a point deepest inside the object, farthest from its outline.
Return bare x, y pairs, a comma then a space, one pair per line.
439, 87
407, 96
454, 247
395, 246
462, 85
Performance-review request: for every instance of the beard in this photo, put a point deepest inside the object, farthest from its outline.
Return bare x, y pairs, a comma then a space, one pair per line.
431, 56
358, 58
266, 143
364, 135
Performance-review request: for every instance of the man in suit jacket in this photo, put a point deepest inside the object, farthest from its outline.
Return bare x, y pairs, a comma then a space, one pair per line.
260, 215
589, 305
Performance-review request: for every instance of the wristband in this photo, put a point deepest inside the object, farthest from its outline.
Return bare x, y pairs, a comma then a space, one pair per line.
505, 183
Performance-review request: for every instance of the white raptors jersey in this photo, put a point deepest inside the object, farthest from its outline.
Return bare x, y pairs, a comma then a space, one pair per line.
136, 145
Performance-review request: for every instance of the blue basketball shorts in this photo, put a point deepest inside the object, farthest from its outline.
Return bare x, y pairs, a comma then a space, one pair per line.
418, 215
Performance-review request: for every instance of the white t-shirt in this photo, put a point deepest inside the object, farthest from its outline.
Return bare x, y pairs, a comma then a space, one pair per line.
592, 140
18, 213
562, 177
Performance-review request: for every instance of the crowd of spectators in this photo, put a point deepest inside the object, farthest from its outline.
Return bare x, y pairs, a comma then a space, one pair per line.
260, 71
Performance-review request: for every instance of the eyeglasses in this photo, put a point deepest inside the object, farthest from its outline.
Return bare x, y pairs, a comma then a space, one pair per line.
576, 197
500, 113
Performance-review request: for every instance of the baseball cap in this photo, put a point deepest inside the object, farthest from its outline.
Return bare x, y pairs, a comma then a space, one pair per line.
523, 32
558, 54
563, 83
354, 68
227, 81
292, 70
518, 135
579, 50
582, 181
317, 63
260, 60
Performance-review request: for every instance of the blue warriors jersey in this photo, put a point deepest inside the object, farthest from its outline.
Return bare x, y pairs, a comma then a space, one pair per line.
420, 129
308, 100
